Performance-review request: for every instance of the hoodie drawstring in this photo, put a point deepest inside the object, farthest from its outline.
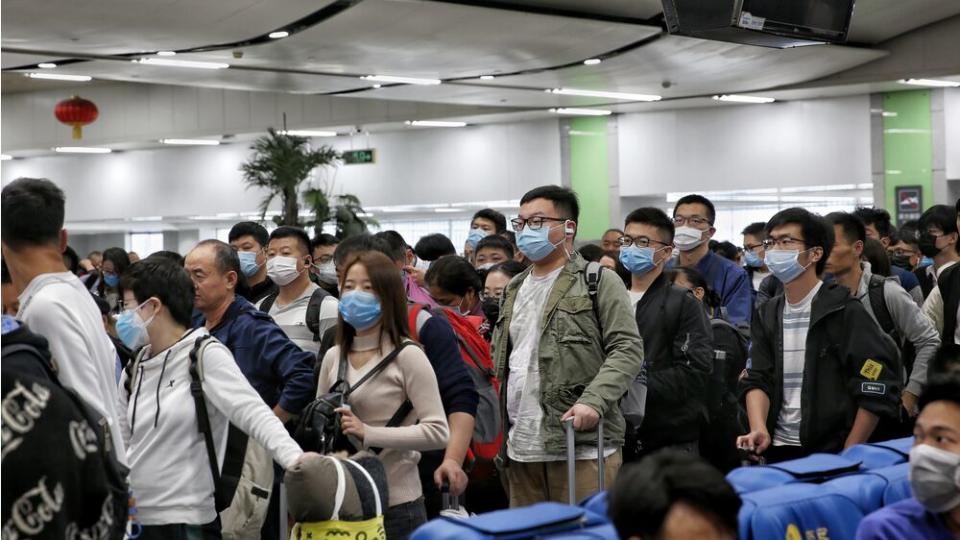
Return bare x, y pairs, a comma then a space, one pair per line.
163, 368
133, 418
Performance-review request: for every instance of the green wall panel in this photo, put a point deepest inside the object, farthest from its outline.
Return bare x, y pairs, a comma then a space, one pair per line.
907, 145
589, 175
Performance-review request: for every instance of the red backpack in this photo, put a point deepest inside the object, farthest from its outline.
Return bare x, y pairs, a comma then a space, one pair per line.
475, 352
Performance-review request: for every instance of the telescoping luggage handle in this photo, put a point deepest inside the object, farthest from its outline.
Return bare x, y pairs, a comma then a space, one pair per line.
572, 460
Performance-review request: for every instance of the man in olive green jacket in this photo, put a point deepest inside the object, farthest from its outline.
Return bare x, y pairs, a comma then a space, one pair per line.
557, 358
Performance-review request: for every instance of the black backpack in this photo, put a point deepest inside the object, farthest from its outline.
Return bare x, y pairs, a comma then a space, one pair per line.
878, 303
312, 318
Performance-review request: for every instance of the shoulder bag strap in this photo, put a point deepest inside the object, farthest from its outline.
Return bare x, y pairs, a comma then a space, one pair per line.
376, 369
203, 419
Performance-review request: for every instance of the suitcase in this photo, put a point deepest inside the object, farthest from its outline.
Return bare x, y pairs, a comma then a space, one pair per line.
543, 520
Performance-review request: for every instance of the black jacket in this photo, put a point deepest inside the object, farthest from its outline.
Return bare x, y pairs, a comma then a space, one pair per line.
849, 364
678, 347
949, 283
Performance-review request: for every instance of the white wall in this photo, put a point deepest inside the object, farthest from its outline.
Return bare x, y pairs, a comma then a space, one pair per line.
800, 143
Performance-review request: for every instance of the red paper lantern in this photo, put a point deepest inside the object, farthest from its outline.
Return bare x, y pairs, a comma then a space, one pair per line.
76, 112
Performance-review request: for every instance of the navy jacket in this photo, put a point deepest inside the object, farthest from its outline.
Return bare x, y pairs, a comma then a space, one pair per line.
277, 369
731, 284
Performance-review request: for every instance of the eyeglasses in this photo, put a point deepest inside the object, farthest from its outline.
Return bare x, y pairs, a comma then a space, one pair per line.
752, 247
784, 242
639, 241
696, 221
900, 252
535, 223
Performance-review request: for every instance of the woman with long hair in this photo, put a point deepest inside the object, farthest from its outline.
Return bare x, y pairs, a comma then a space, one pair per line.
115, 263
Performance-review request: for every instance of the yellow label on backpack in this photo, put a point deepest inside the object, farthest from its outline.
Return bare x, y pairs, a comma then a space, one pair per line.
871, 369
371, 529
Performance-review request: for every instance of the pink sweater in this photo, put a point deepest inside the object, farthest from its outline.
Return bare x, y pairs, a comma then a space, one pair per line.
409, 376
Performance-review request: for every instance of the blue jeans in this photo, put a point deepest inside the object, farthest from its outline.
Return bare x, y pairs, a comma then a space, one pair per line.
401, 520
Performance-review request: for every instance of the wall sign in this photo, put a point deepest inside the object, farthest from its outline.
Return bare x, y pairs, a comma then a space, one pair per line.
359, 157
909, 203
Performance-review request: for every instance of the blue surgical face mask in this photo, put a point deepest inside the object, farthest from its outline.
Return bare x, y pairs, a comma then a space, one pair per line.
785, 264
753, 260
132, 329
638, 260
360, 309
925, 262
248, 263
536, 244
111, 280
475, 236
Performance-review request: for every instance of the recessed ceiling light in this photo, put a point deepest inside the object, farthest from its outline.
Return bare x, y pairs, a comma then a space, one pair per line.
601, 94
377, 85
82, 150
279, 34
487, 77
403, 80
592, 61
5, 157
580, 112
309, 133
930, 82
191, 142
166, 53
733, 98
434, 123
46, 65
60, 77
181, 63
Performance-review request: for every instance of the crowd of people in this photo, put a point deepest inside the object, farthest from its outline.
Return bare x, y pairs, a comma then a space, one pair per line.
184, 382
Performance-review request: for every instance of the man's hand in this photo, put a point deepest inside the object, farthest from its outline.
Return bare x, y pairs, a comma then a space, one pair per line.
451, 472
350, 424
418, 274
584, 417
757, 441
283, 415
909, 403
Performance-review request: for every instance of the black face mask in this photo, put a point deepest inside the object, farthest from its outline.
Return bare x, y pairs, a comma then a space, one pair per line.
902, 261
928, 245
491, 309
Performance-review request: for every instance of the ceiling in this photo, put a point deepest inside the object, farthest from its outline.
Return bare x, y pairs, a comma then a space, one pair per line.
530, 45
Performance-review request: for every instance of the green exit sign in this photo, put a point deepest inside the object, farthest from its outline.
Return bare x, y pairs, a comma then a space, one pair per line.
355, 157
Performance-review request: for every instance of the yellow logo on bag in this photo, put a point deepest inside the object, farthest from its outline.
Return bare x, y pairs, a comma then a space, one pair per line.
793, 533
871, 369
371, 529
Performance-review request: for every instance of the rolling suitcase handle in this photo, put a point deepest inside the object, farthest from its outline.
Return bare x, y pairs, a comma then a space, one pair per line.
572, 460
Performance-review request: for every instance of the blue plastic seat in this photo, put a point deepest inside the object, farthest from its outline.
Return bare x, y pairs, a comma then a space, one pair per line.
880, 454
798, 510
813, 468
596, 503
543, 520
874, 489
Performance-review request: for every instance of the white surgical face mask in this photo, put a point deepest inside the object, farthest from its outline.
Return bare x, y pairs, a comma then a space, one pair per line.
282, 270
935, 478
327, 272
687, 238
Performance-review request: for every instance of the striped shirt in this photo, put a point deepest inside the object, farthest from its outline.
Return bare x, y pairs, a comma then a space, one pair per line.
796, 322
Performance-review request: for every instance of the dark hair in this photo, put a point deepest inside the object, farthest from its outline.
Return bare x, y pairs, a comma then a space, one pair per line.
71, 260
697, 199
876, 255
619, 268
386, 284
357, 244
323, 240
816, 232
591, 252
644, 493
94, 252
249, 228
510, 236
166, 280
398, 246
102, 304
226, 260
455, 275
5, 273
754, 229
293, 232
120, 260
494, 241
498, 219
851, 225
946, 359
908, 233
563, 199
433, 246
710, 298
32, 213
942, 387
726, 250
656, 218
618, 231
169, 255
941, 216
507, 268
878, 217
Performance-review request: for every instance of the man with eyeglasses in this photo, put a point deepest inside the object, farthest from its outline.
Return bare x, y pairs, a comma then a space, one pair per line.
693, 217
561, 354
823, 372
940, 240
879, 227
764, 284
677, 340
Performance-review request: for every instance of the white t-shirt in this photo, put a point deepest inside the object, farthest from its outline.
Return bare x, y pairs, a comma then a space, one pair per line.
635, 298
291, 318
758, 278
796, 324
59, 308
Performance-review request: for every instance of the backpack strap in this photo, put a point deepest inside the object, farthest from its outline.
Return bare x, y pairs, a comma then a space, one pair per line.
878, 303
592, 276
313, 311
373, 372
203, 418
464, 345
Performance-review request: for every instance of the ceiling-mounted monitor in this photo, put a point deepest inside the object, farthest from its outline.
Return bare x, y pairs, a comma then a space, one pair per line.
768, 23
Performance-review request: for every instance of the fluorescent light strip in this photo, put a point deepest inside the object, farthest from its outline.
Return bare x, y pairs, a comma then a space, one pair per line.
402, 80
734, 98
930, 82
5, 157
82, 150
191, 142
309, 133
592, 61
279, 34
448, 210
166, 53
60, 77
181, 63
434, 123
580, 112
601, 94
487, 77
46, 65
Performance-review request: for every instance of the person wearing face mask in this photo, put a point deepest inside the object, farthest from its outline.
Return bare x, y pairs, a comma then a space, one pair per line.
676, 336
115, 263
485, 222
456, 285
933, 513
764, 285
905, 253
372, 327
879, 226
322, 248
493, 284
300, 307
159, 423
693, 217
493, 249
822, 372
250, 241
940, 240
562, 354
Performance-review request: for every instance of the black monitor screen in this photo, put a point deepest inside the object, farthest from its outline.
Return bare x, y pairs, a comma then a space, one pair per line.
823, 14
